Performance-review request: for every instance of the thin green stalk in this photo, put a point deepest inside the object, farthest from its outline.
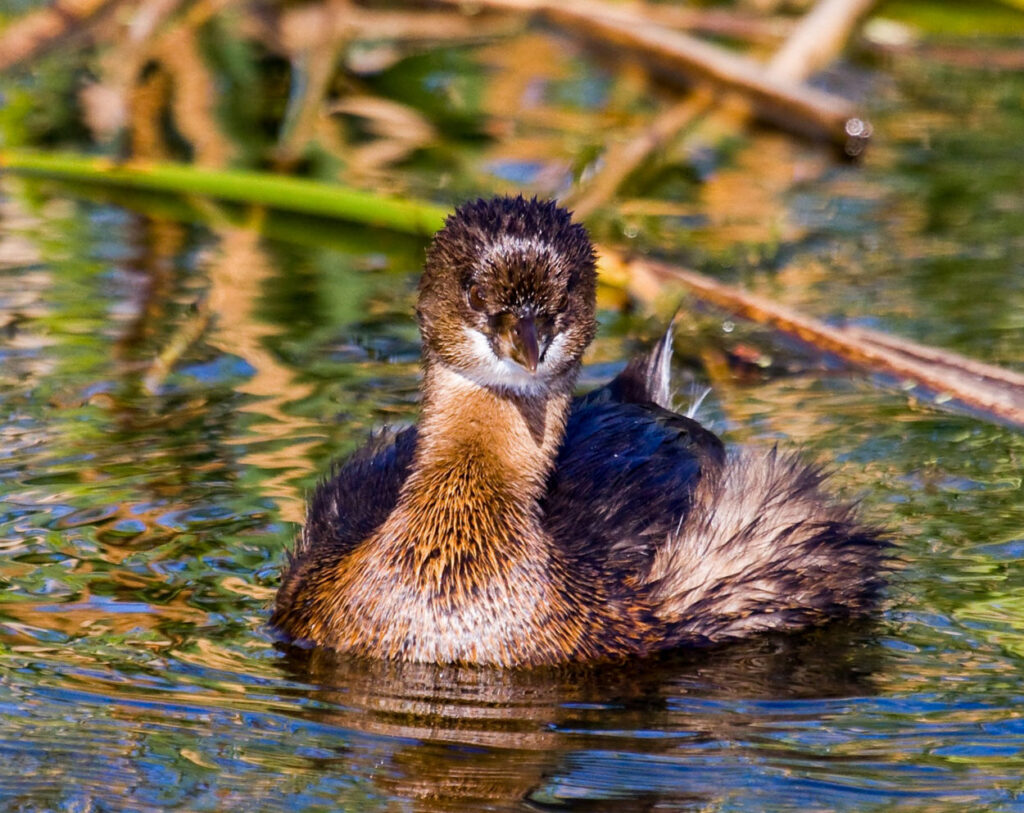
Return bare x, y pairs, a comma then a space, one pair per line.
259, 188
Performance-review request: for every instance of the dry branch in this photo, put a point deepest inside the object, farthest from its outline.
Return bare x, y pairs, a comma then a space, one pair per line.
717, 22
937, 356
622, 160
793, 106
814, 42
338, 21
984, 387
819, 37
797, 108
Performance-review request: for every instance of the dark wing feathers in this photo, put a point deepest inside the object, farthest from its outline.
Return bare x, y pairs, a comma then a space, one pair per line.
345, 509
627, 470
358, 495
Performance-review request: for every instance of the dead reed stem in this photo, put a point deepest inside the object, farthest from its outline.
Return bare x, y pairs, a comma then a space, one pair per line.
813, 43
984, 387
793, 106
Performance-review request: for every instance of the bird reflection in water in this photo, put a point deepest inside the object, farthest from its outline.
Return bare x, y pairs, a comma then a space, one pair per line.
445, 737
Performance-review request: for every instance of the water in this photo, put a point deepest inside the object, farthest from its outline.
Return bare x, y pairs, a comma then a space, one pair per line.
145, 505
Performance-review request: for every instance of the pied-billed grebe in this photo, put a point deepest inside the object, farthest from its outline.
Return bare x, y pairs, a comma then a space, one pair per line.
516, 525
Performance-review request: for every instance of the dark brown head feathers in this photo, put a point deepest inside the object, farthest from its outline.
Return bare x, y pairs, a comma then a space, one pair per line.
507, 258
522, 250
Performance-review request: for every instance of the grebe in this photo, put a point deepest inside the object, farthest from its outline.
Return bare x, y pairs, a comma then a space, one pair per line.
516, 525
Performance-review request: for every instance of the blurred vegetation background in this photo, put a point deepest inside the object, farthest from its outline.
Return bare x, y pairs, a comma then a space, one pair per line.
443, 100
680, 129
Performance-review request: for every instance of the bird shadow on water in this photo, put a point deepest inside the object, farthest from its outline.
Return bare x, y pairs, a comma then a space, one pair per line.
468, 737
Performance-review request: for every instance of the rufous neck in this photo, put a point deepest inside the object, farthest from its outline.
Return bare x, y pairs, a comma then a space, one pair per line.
469, 510
512, 439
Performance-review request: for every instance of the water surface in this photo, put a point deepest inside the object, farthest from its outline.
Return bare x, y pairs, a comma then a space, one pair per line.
173, 379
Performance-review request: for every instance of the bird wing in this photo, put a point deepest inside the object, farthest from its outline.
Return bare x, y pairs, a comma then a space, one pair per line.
350, 504
628, 467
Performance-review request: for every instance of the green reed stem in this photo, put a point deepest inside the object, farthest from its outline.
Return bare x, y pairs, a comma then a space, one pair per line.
241, 186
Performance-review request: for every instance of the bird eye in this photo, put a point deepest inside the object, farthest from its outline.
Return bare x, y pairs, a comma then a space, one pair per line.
476, 298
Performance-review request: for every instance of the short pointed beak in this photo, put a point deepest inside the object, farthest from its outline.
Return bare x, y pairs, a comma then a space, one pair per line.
525, 348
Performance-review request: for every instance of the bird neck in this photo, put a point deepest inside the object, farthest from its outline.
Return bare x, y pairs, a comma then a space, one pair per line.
462, 569
481, 464
514, 438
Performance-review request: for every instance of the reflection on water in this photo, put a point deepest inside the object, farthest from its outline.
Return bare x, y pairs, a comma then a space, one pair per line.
174, 375
145, 513
474, 736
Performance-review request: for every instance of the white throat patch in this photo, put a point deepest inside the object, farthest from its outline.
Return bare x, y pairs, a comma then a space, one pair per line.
488, 370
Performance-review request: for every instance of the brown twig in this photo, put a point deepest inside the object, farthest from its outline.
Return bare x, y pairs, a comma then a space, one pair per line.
797, 108
818, 38
338, 21
793, 106
622, 160
985, 387
718, 22
815, 41
937, 356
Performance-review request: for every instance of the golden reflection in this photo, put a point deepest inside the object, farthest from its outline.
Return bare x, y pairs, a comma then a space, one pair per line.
774, 406
23, 299
465, 736
237, 275
16, 248
157, 242
746, 203
86, 617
